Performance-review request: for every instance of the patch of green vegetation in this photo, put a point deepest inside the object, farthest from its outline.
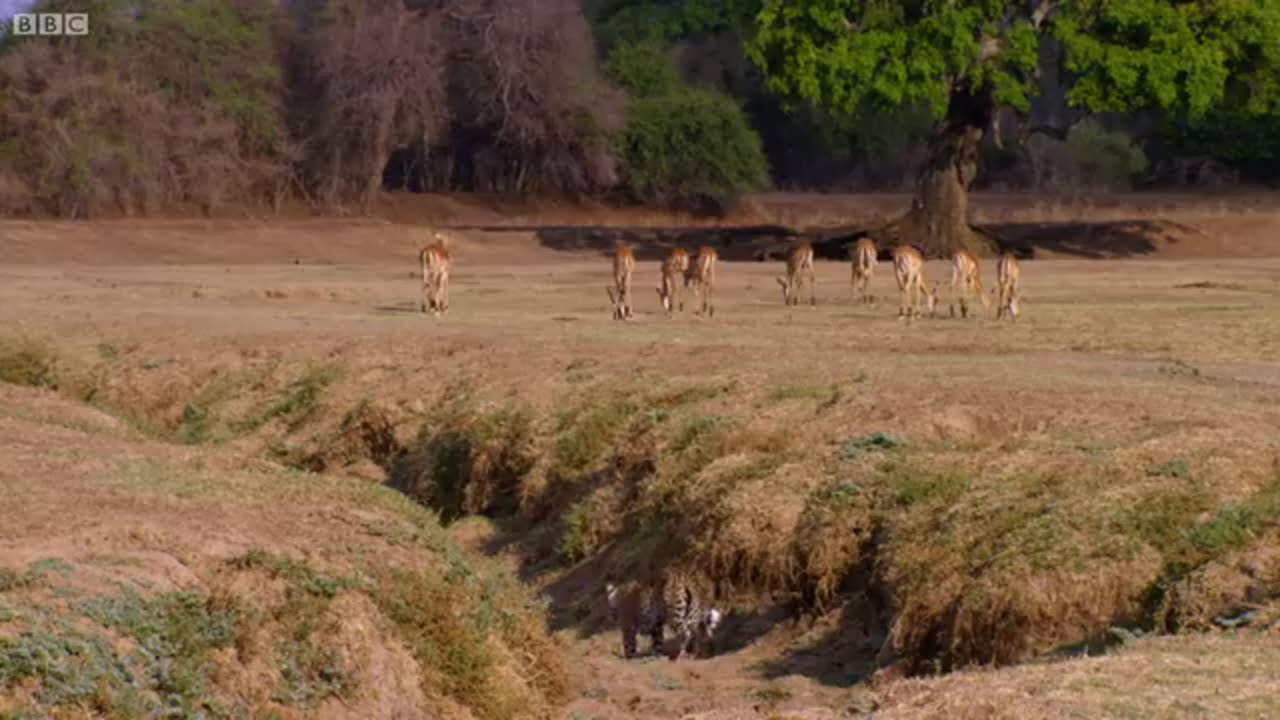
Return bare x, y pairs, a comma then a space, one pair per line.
690, 394
1161, 520
311, 668
1236, 525
300, 401
29, 363
197, 425
444, 641
107, 351
44, 566
35, 573
585, 435
824, 394
578, 539
1173, 469
856, 446
469, 461
911, 486
174, 634
72, 667
695, 429
165, 675
11, 579
299, 575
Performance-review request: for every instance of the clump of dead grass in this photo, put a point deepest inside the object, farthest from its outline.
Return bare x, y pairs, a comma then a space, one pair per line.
469, 459
28, 362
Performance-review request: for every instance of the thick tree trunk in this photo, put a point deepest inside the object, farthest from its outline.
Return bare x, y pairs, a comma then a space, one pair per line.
938, 223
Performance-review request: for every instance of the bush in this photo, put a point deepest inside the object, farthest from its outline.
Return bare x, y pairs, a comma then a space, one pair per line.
643, 70
1091, 157
690, 147
165, 103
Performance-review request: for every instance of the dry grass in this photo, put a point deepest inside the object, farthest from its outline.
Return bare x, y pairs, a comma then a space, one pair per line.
171, 581
1190, 676
1012, 488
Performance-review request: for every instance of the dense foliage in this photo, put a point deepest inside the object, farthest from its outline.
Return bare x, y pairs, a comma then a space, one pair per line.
210, 103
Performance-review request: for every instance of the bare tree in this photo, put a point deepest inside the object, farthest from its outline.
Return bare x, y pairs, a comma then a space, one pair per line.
366, 76
532, 110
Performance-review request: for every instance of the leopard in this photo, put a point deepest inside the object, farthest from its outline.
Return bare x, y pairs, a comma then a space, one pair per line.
675, 601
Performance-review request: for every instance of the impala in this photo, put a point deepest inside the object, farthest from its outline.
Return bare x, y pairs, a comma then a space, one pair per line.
966, 280
908, 266
676, 265
1007, 275
799, 267
435, 261
624, 264
864, 263
702, 275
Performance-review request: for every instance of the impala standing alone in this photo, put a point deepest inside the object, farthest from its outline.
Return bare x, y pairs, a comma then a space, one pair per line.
434, 260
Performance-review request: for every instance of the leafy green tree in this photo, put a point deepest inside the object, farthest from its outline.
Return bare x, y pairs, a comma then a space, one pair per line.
967, 58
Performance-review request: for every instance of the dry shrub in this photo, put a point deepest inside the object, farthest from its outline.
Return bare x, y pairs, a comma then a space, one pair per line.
116, 123
831, 539
531, 110
469, 461
989, 569
489, 654
1247, 579
365, 76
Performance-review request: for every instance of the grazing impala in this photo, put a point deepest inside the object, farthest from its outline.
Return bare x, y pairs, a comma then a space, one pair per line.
676, 265
966, 279
799, 267
864, 263
702, 275
908, 266
435, 261
624, 263
1007, 275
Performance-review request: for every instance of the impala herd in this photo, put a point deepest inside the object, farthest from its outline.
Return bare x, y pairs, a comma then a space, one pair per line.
678, 271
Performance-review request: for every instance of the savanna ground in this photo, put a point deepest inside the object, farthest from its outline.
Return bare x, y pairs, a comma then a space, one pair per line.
200, 418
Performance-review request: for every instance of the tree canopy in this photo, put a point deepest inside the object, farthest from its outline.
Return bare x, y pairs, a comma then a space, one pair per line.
1183, 57
223, 103
964, 59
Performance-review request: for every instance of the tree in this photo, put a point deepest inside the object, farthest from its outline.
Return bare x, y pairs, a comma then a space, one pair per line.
967, 58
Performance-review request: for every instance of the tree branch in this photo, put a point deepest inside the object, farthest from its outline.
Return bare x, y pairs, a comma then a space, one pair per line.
1043, 9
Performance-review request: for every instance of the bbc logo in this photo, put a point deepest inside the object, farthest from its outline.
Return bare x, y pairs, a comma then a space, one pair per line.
73, 24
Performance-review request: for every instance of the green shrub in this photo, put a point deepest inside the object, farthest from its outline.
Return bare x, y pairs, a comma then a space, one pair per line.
643, 70
690, 147
1104, 159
